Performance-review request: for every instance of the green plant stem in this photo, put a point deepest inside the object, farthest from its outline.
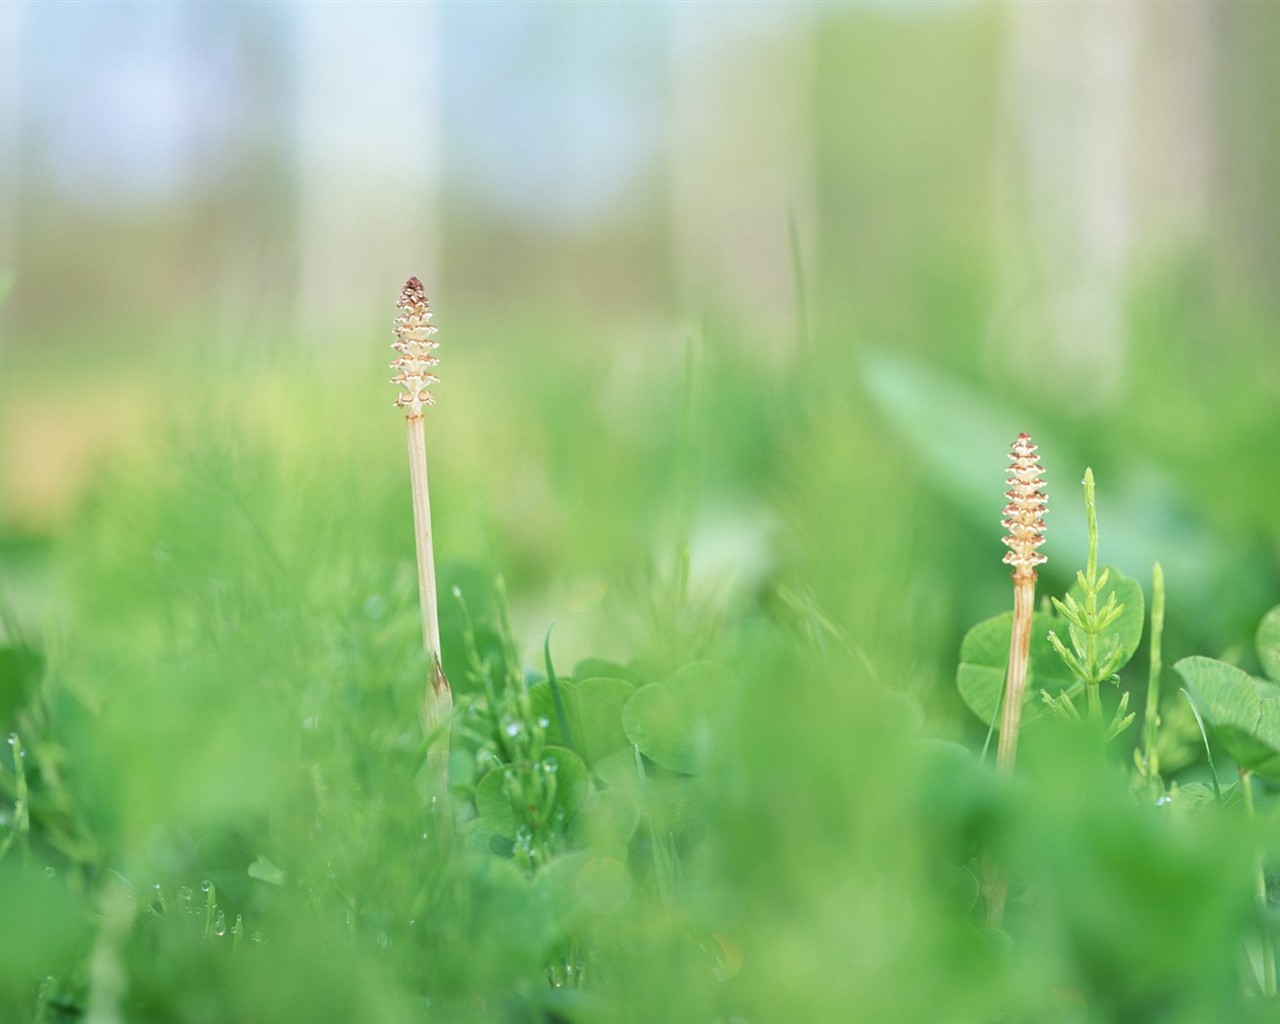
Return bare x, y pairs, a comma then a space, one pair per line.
557, 699
1151, 716
1260, 893
108, 975
1091, 514
1093, 696
995, 892
210, 905
22, 797
1093, 689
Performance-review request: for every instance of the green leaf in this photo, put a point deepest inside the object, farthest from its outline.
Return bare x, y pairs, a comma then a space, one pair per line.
1243, 711
606, 822
573, 781
493, 805
1127, 626
593, 708
44, 924
498, 810
603, 885
1269, 644
20, 671
1194, 794
984, 654
591, 668
674, 722
265, 871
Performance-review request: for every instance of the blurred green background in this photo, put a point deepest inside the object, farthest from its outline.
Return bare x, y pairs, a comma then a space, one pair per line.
740, 306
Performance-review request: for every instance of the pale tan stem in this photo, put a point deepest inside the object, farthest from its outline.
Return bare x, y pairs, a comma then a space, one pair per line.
1015, 685
437, 699
995, 883
1024, 519
422, 535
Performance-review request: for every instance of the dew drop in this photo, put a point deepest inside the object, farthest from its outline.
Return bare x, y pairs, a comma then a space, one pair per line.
49, 872
206, 885
513, 729
544, 723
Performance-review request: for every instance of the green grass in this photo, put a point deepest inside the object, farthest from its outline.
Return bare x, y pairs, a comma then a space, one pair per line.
754, 800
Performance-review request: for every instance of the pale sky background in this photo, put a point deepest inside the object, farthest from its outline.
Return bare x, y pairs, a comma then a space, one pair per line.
548, 110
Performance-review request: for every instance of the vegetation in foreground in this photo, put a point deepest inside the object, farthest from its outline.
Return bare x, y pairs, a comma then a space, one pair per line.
744, 803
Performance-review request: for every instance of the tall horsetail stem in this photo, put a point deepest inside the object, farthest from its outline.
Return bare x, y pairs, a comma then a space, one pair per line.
414, 364
1024, 521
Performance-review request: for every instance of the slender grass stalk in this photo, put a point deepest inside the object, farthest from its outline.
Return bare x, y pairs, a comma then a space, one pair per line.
1091, 594
108, 973
415, 345
1268, 951
1149, 761
1024, 521
22, 799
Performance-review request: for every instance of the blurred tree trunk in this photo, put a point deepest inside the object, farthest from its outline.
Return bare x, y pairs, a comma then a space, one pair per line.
1107, 160
741, 164
368, 160
11, 149
1246, 214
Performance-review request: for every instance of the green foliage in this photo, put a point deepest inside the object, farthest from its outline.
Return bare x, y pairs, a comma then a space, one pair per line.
20, 670
739, 810
1268, 641
1104, 630
1104, 618
674, 722
1244, 711
592, 706
984, 653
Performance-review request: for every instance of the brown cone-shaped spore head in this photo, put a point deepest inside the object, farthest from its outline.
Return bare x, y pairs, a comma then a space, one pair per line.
415, 345
412, 295
1025, 512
